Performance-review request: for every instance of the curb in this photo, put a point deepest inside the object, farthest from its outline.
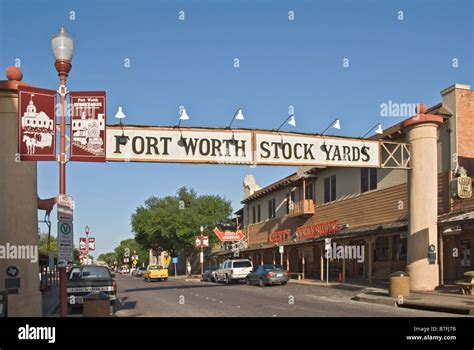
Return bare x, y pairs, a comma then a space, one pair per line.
451, 309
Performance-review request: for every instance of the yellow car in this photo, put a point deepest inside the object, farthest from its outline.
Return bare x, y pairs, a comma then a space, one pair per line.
155, 272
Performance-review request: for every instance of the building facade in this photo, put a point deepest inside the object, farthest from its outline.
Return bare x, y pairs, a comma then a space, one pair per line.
367, 211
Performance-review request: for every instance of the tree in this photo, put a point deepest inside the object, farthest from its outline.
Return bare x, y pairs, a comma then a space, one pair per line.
109, 258
134, 246
172, 222
43, 244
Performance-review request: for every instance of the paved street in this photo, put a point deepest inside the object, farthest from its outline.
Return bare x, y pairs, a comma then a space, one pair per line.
180, 298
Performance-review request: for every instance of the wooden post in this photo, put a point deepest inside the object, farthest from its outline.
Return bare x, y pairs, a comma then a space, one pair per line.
288, 259
273, 257
303, 262
370, 243
343, 269
304, 190
321, 254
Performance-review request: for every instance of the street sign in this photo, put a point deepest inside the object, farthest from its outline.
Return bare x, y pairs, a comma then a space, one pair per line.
88, 126
227, 236
281, 249
202, 241
166, 260
175, 260
65, 208
36, 123
65, 243
327, 243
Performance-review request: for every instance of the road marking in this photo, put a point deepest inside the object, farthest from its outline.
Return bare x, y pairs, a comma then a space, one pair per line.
274, 315
207, 298
221, 301
213, 299
196, 295
238, 305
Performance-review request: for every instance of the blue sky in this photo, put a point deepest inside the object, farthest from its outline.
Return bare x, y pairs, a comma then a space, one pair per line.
190, 63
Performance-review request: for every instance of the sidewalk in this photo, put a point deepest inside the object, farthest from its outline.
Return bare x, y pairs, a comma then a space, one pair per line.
51, 302
445, 299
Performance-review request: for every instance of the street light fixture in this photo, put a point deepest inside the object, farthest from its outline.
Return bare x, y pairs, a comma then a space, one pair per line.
120, 115
182, 115
238, 115
291, 120
336, 124
378, 131
62, 46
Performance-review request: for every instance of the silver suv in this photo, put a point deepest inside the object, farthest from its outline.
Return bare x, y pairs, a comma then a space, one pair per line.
233, 270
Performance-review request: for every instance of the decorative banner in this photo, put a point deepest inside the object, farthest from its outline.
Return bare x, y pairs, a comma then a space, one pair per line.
36, 123
202, 241
88, 130
83, 244
225, 146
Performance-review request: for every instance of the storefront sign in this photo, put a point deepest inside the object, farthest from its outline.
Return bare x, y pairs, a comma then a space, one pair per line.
36, 123
224, 146
88, 126
305, 232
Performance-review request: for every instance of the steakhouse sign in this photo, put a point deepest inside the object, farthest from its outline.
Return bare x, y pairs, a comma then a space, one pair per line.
237, 146
305, 232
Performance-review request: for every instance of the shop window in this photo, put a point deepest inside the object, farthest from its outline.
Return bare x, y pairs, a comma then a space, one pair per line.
399, 248
330, 189
368, 179
259, 216
271, 208
381, 249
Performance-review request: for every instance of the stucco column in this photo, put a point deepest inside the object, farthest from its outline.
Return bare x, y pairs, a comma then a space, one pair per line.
18, 204
421, 133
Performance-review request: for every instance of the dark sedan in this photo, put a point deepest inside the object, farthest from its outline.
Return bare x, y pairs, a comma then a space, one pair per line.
209, 274
266, 275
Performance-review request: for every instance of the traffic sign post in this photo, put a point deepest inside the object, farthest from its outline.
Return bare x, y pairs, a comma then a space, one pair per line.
327, 247
175, 262
65, 243
281, 249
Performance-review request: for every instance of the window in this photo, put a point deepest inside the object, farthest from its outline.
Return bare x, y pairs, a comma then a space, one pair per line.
271, 208
248, 215
368, 179
254, 216
381, 249
259, 216
330, 189
309, 191
238, 264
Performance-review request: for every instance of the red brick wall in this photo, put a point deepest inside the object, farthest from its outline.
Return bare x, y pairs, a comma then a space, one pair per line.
465, 125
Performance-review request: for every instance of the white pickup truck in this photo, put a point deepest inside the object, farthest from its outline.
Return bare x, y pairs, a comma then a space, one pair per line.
233, 270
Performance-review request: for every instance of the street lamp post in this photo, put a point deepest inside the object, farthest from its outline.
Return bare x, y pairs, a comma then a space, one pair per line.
63, 47
201, 256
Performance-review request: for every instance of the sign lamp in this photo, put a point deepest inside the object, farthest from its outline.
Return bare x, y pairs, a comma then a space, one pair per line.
291, 120
120, 115
378, 131
237, 116
336, 124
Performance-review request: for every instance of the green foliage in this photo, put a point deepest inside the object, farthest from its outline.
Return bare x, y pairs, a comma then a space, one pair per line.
134, 246
109, 258
43, 244
171, 223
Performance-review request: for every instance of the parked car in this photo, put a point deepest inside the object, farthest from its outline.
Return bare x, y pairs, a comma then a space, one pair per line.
268, 274
210, 274
125, 270
139, 272
233, 270
87, 278
155, 272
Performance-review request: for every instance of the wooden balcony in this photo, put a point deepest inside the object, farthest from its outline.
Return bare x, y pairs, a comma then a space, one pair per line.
303, 207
